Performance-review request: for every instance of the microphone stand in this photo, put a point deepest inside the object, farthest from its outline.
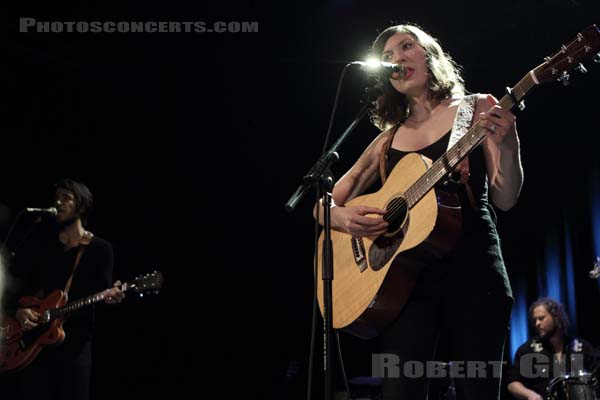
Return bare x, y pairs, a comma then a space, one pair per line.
319, 176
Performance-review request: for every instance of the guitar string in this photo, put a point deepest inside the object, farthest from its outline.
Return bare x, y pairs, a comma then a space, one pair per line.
86, 301
422, 186
437, 171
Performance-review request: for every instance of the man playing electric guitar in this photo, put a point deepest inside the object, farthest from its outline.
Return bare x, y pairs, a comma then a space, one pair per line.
63, 256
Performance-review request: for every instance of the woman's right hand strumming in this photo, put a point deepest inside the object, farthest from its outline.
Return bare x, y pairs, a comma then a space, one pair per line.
359, 220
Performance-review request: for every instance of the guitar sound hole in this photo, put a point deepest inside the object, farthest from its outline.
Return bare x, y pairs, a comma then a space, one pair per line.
385, 246
396, 214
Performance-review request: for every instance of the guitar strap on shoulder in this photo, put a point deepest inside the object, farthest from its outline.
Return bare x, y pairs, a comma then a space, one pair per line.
383, 157
463, 119
462, 123
83, 242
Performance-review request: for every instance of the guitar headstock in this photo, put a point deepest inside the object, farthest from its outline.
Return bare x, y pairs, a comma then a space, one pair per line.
151, 282
586, 44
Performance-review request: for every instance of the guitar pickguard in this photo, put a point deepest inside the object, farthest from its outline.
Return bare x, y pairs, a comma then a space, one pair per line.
385, 246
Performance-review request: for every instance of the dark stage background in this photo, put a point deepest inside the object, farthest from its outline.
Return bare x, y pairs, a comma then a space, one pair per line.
192, 143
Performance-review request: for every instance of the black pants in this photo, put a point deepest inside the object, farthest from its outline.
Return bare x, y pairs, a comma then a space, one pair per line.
465, 318
56, 374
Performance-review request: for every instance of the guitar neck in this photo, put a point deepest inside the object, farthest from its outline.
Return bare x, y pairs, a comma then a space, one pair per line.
473, 138
81, 303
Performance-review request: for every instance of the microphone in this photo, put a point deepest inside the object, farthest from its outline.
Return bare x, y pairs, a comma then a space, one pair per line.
49, 210
595, 272
381, 67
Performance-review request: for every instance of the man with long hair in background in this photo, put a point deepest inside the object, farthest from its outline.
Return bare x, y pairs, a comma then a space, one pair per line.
549, 354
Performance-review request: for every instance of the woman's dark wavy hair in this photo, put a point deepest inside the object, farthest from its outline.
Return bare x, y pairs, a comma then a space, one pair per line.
445, 80
555, 309
84, 201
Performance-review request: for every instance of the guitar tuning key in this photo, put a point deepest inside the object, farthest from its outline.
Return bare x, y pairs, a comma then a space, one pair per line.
597, 58
564, 78
521, 105
581, 68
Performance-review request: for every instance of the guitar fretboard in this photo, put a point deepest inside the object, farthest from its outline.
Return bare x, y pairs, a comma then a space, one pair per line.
76, 305
473, 138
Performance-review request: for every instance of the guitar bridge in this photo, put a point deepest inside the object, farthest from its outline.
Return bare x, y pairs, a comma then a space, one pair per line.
358, 249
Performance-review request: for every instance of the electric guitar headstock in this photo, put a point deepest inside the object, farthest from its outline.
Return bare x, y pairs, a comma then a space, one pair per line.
147, 283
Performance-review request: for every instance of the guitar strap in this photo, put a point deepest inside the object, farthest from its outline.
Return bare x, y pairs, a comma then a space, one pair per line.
85, 240
462, 123
383, 158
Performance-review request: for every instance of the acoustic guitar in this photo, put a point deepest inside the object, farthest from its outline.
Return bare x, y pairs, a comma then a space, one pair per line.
374, 277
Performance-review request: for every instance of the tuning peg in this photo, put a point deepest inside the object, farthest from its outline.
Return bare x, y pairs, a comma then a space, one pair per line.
521, 105
564, 78
597, 58
581, 68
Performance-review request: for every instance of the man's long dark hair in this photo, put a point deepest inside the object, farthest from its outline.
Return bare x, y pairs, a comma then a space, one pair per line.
84, 200
555, 309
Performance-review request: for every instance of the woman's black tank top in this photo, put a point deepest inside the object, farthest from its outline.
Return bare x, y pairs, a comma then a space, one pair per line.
478, 254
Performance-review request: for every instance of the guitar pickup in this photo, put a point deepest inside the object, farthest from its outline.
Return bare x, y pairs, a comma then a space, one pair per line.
358, 249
